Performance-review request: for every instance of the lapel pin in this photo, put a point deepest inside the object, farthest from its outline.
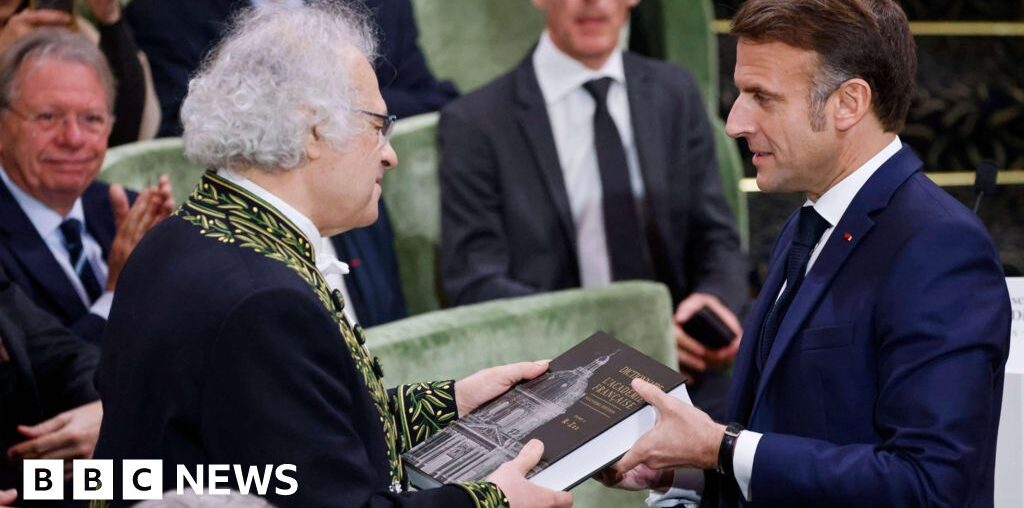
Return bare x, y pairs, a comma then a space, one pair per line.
848, 237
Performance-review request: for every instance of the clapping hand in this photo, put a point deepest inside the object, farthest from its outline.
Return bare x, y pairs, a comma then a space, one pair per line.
153, 204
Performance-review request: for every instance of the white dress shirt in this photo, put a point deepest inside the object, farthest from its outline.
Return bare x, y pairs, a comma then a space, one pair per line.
47, 223
324, 255
831, 206
571, 112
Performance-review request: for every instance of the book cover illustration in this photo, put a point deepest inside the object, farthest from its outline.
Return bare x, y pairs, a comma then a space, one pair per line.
585, 392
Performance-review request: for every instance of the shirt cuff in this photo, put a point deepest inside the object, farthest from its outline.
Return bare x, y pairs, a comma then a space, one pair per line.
101, 307
743, 460
687, 487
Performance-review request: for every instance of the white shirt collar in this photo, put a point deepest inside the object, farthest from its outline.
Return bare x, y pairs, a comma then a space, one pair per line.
558, 73
44, 218
305, 225
834, 202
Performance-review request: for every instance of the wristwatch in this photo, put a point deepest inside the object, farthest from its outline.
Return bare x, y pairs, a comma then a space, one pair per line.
727, 448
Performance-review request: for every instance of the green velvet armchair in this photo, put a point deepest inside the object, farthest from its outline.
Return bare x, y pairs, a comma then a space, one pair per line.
140, 164
413, 199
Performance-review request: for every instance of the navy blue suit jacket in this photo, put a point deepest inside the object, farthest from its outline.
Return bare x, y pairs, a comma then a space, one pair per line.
45, 370
884, 383
29, 263
373, 285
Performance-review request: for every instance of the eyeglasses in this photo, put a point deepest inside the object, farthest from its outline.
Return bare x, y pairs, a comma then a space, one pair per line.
92, 123
387, 128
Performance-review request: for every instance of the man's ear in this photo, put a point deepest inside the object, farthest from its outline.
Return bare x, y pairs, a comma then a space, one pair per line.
314, 143
853, 103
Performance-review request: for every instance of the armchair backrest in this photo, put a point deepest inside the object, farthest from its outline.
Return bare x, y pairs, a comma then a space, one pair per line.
140, 164
471, 42
413, 199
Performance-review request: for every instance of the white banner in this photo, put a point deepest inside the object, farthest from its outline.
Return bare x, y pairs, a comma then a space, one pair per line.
1010, 448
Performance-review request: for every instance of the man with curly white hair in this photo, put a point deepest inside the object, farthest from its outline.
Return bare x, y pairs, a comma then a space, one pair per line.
250, 359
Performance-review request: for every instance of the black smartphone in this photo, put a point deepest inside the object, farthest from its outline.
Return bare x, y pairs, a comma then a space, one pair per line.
58, 5
707, 328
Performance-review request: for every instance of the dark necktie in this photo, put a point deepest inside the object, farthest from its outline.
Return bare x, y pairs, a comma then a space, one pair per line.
72, 231
626, 242
809, 228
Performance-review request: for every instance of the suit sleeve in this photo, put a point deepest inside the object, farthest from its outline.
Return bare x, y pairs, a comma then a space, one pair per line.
474, 245
89, 327
422, 409
118, 45
281, 389
714, 263
62, 364
943, 337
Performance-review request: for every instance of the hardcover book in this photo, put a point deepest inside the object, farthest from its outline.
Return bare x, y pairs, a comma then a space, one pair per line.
583, 410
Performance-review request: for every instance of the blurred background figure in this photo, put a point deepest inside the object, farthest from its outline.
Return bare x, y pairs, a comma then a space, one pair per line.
136, 109
63, 235
50, 408
587, 165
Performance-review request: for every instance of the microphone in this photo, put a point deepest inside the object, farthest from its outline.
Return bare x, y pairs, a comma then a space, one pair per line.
984, 181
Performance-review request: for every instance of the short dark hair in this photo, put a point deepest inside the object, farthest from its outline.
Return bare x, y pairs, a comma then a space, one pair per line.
867, 39
52, 44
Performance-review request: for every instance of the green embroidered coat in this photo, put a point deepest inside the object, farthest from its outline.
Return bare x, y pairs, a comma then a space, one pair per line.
241, 354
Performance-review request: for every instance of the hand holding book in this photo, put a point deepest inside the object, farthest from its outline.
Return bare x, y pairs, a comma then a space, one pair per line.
483, 386
683, 436
583, 408
511, 478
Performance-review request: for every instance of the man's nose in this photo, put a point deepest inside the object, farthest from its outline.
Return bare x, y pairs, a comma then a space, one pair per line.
70, 132
738, 124
388, 157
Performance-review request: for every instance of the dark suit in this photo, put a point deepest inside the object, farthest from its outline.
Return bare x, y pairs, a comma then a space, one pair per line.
246, 363
177, 35
44, 370
507, 229
30, 264
374, 288
884, 383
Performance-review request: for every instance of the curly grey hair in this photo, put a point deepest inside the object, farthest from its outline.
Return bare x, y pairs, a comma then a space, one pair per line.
279, 72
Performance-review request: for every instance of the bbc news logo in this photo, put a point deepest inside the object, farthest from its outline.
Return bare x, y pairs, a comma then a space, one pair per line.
143, 479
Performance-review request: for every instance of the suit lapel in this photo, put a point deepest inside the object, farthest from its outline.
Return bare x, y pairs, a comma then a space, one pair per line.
99, 216
30, 249
853, 228
647, 136
532, 116
742, 391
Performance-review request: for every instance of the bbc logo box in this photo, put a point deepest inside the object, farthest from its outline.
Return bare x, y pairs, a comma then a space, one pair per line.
43, 480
